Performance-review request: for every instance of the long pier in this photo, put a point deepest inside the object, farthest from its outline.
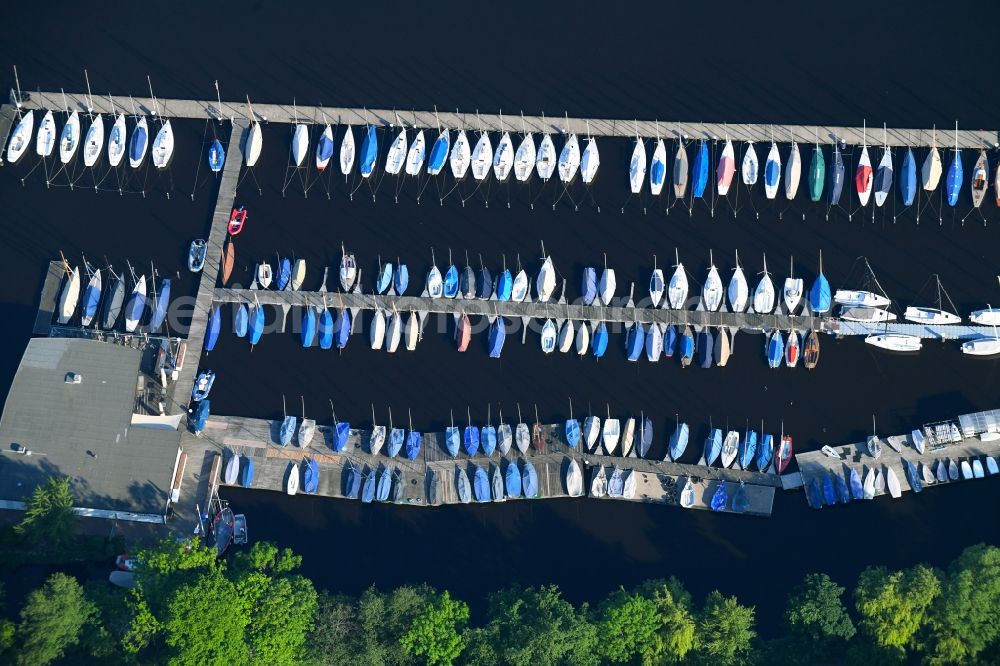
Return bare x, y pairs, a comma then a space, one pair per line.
429, 119
656, 481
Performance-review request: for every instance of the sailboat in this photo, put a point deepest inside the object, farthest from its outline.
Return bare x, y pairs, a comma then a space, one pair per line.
45, 137
300, 138
348, 269
899, 342
883, 174
416, 155
519, 288
548, 337
721, 349
307, 428
820, 299
347, 150
836, 175
656, 285
369, 152
792, 291
793, 174
873, 444
730, 447
412, 331
435, 285
254, 138
637, 166
396, 157
792, 349
482, 156
750, 167
817, 172
763, 296
711, 292
810, 352
863, 174
545, 283
136, 305
497, 336
677, 290
569, 158
521, 437
461, 155
140, 140
987, 345
69, 138
93, 143
503, 157
784, 453
377, 329
738, 291
930, 172
933, 316
608, 283
440, 150
114, 300
775, 349
772, 170
91, 297
955, 174
70, 295
611, 433
545, 162
679, 176
288, 425
713, 447
324, 147
980, 181
678, 441
726, 169
699, 171
908, 178
591, 159
524, 158
20, 139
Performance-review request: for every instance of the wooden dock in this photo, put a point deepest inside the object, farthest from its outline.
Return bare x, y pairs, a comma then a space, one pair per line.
939, 449
601, 127
656, 481
8, 112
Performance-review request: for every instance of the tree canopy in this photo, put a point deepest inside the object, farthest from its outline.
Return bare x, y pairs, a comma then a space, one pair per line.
48, 519
51, 620
436, 633
725, 630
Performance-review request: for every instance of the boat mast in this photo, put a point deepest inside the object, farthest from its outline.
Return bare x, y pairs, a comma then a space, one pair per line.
65, 103
17, 83
132, 103
156, 108
90, 98
218, 97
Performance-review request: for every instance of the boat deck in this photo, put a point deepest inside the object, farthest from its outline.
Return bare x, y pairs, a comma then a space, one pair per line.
656, 481
284, 113
815, 464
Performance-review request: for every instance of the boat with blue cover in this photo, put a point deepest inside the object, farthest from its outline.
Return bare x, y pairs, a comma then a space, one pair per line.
616, 483
439, 152
451, 282
284, 273
310, 476
308, 325
452, 438
634, 342
820, 298
396, 438
241, 320
706, 346
161, 301
817, 173
497, 336
829, 493
470, 437
481, 485
766, 452
488, 438
740, 499
687, 347
836, 186
670, 337
700, 170
462, 486
600, 341
678, 441
843, 493
384, 485
91, 298
775, 349
401, 278
505, 285
216, 156
413, 442
384, 278
589, 286
713, 447
814, 495
342, 328
256, 324
486, 285
908, 178
353, 482
496, 484
748, 447
325, 328
857, 489
369, 152
913, 476
200, 418
368, 488
572, 429
246, 474
772, 171
214, 327
955, 174
529, 480
720, 498
512, 478
203, 386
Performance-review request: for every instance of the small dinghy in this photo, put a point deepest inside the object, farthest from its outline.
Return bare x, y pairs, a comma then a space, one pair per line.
730, 448
977, 468
748, 447
91, 299
765, 453
656, 285
610, 434
687, 496
481, 485
232, 471
792, 349
496, 484
628, 484
160, 303
740, 500
529, 481
792, 291
497, 337
991, 465
952, 470
980, 180
817, 173
462, 486
829, 490
775, 349
713, 447
616, 483
70, 295
369, 152
567, 333
353, 486
310, 476
793, 174
686, 347
196, 255
927, 474
216, 156
246, 478
750, 167
912, 476
930, 172
699, 172
908, 178
678, 441
548, 337
512, 480
857, 490
868, 489
574, 479
589, 287
214, 328
241, 320
292, 482
836, 175
892, 483
679, 177
591, 431
396, 438
598, 482
654, 343
470, 438
384, 485
784, 455
545, 283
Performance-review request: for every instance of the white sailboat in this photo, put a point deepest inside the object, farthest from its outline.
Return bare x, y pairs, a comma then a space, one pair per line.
482, 156
566, 335
569, 159
117, 139
591, 159
417, 154
503, 157
545, 162
582, 341
656, 285
549, 334
866, 315
658, 168
930, 173
773, 158
519, 292
611, 433
254, 139
793, 172
882, 182
163, 146
45, 138
70, 295
524, 159
461, 155
763, 295
412, 331
325, 139
607, 284
738, 292
348, 269
21, 137
677, 290
637, 166
69, 138
726, 169
545, 283
792, 291
899, 342
300, 138
140, 139
711, 293
936, 315
859, 298
397, 153
376, 333
394, 331
751, 166
347, 151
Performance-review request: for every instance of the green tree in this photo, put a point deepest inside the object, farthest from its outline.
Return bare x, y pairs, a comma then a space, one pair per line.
51, 620
533, 627
725, 631
267, 557
7, 628
280, 619
435, 633
893, 605
965, 617
48, 520
205, 623
673, 602
629, 628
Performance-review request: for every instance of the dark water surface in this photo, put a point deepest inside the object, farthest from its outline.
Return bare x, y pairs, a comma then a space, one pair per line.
739, 64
